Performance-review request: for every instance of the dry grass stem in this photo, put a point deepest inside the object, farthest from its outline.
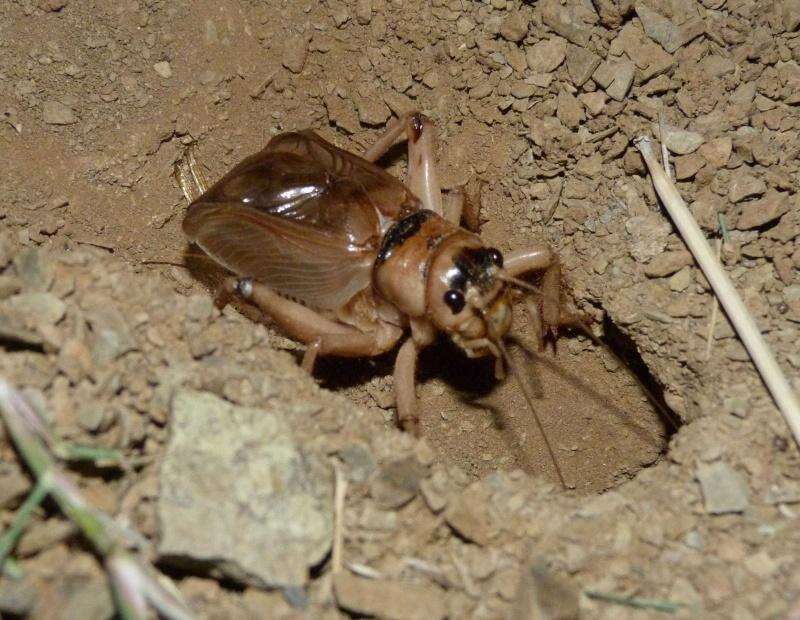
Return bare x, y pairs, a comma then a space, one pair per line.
742, 320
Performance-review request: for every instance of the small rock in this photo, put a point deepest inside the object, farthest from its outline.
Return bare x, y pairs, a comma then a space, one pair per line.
94, 417
761, 565
759, 212
569, 110
17, 597
681, 141
566, 21
681, 280
199, 308
661, 29
295, 51
745, 186
616, 78
431, 78
39, 308
240, 495
724, 490
13, 484
393, 600
514, 27
581, 64
594, 102
89, 597
359, 462
111, 336
364, 12
372, 111
397, 483
686, 166
56, 113
468, 515
43, 535
545, 56
667, 263
541, 594
34, 268
163, 69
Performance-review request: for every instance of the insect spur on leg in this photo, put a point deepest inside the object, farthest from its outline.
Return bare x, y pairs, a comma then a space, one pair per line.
350, 261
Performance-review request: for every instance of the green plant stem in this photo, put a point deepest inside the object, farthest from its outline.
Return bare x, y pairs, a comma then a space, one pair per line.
10, 537
632, 601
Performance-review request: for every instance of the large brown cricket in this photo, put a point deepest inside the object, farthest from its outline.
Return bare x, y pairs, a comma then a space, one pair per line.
348, 260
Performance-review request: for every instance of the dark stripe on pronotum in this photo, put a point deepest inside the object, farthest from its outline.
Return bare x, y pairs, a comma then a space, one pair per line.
400, 231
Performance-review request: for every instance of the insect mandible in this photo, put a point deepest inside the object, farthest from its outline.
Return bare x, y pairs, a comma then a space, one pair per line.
350, 261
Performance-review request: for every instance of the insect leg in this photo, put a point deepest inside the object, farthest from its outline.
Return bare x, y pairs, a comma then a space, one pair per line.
551, 314
405, 368
388, 137
324, 336
422, 178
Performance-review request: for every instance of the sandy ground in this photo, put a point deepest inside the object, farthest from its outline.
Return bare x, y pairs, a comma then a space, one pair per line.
535, 102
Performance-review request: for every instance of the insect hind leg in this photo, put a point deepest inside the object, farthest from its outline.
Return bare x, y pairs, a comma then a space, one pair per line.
190, 177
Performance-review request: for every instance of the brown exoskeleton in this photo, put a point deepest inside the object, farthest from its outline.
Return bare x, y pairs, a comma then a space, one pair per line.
348, 260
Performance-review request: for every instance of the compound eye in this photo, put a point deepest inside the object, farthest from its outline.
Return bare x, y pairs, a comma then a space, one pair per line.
455, 301
495, 256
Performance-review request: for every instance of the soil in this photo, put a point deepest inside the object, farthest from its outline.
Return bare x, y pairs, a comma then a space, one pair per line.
536, 104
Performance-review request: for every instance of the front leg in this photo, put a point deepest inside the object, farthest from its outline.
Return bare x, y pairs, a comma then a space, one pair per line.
552, 311
324, 336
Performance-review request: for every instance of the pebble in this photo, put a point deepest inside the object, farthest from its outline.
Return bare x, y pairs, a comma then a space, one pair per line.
661, 29
397, 483
40, 308
745, 186
565, 21
581, 64
569, 110
724, 489
514, 27
13, 484
163, 69
667, 263
56, 113
34, 269
760, 212
686, 166
594, 102
372, 111
681, 280
364, 12
295, 51
616, 78
392, 600
17, 598
546, 56
199, 308
468, 515
682, 141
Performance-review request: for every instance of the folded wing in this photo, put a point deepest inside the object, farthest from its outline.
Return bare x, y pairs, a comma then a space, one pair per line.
299, 260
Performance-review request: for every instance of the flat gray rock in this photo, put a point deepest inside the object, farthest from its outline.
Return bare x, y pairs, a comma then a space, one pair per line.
724, 489
239, 496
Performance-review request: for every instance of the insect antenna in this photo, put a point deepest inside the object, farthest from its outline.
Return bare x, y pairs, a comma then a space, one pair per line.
518, 283
529, 398
577, 322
